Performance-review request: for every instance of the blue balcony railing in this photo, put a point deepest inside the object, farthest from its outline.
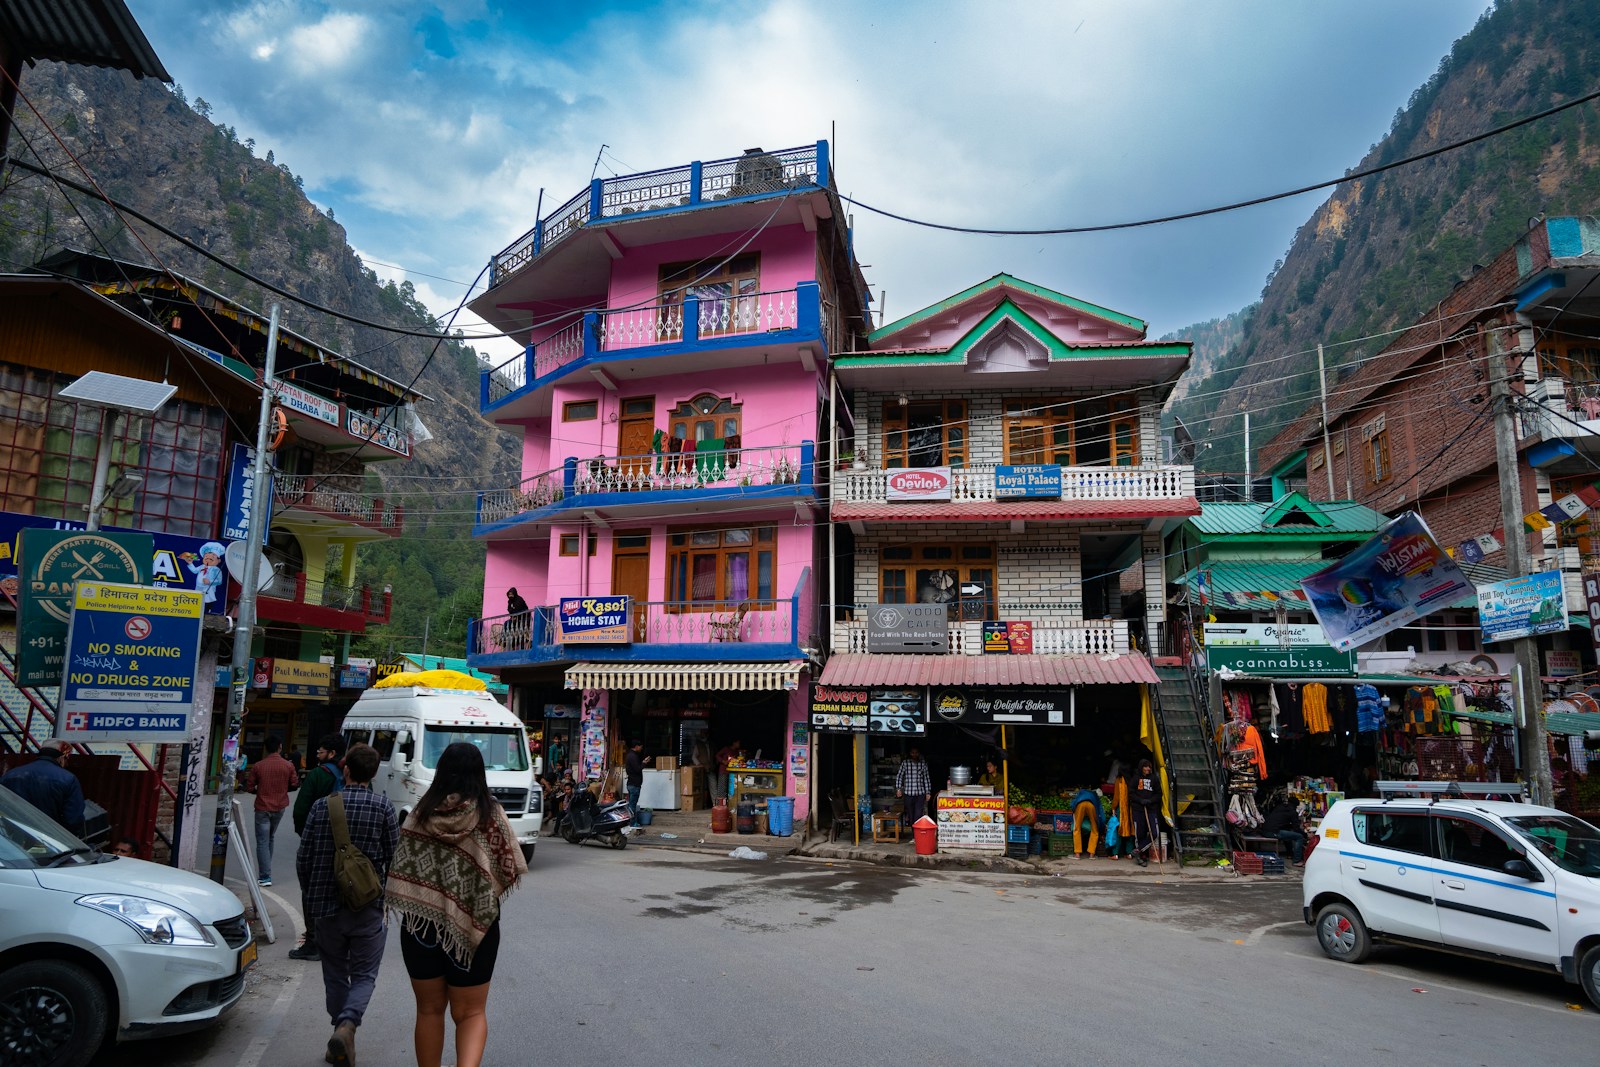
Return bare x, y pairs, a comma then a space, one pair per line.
748, 176
732, 475
667, 328
669, 630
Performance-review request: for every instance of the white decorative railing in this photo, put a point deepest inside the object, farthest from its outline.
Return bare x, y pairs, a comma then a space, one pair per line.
331, 495
976, 484
1051, 637
508, 377
751, 313
534, 493
652, 622
654, 324
558, 349
775, 465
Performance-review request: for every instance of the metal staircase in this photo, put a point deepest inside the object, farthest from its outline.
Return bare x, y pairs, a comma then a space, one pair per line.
1192, 763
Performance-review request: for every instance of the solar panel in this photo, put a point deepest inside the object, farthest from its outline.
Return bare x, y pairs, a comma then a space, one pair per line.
138, 395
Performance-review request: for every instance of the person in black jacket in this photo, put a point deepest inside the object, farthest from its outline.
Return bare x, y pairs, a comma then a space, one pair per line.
49, 786
1283, 822
1146, 812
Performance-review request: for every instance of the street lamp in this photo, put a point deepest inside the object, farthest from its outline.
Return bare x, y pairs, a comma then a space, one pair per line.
113, 393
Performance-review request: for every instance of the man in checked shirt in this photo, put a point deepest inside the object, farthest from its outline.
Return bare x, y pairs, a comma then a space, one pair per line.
913, 782
351, 942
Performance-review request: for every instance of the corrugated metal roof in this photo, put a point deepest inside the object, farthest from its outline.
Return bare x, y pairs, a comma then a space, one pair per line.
91, 33
1005, 511
878, 668
1345, 517
685, 676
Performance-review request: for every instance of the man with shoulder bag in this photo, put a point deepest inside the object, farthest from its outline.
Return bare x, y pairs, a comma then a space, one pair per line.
325, 778
349, 840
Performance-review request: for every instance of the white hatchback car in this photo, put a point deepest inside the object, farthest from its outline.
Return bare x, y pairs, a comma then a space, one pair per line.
93, 945
1515, 883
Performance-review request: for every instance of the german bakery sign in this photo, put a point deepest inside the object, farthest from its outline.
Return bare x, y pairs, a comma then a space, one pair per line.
921, 483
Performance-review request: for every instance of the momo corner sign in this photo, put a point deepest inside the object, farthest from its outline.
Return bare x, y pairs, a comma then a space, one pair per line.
131, 655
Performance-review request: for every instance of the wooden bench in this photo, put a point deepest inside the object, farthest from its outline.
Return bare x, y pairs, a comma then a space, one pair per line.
1257, 843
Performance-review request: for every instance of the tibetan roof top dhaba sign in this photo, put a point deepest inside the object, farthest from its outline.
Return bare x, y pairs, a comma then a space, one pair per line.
50, 564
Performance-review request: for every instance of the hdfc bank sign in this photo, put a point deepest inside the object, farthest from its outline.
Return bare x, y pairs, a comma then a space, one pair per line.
922, 483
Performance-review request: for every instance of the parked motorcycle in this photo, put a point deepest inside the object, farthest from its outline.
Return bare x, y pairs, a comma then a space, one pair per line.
587, 819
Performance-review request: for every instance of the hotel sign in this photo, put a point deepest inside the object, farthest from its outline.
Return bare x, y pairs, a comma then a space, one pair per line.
1030, 481
920, 484
594, 620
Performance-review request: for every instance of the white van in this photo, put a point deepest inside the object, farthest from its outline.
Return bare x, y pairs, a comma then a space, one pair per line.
411, 725
1514, 883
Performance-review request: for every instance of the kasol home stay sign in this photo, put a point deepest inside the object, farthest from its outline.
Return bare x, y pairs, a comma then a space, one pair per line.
594, 620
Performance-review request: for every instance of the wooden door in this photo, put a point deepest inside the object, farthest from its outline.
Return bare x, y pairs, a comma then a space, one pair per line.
630, 574
636, 430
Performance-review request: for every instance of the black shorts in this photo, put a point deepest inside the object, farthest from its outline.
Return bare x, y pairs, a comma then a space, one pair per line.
427, 960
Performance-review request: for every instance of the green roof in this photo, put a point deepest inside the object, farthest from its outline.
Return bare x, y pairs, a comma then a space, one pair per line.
1293, 515
447, 663
1019, 285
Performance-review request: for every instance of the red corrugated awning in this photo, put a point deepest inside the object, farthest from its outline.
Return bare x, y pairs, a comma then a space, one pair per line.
1005, 511
883, 669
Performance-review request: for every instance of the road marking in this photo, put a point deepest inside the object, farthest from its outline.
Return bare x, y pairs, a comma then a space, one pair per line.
1254, 936
275, 1018
1462, 990
297, 923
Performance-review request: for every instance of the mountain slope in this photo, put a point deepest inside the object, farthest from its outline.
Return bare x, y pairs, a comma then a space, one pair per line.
147, 147
1381, 250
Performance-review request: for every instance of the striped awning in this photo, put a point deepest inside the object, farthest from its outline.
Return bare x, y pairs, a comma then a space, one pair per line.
884, 668
685, 676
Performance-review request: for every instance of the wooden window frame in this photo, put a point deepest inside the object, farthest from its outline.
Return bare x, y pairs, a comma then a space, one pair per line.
760, 551
1375, 450
901, 576
568, 416
955, 441
1045, 414
725, 412
576, 539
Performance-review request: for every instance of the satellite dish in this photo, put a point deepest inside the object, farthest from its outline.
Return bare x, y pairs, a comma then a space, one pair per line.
236, 560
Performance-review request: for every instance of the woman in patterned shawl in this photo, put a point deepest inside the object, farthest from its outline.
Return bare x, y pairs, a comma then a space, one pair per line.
458, 856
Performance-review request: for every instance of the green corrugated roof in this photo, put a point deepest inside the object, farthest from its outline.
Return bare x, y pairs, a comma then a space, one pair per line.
446, 663
1566, 722
1329, 519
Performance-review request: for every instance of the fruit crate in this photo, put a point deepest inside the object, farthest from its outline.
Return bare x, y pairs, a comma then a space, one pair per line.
1271, 863
1018, 835
1059, 844
1017, 851
1247, 862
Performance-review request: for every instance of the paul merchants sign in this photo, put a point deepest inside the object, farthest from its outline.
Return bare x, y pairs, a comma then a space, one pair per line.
131, 657
50, 564
919, 483
594, 620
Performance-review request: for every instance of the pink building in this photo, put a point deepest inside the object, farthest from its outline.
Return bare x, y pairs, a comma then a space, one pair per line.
679, 328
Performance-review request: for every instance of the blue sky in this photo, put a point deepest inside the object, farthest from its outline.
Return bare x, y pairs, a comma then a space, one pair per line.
429, 128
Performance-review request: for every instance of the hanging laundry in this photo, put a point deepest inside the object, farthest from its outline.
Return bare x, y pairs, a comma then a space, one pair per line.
1369, 709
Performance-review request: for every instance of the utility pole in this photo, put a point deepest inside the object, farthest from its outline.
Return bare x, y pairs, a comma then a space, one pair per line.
1327, 447
245, 623
1528, 689
427, 622
1249, 490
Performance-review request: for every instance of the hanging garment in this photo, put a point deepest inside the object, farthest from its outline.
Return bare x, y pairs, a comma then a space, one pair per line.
1272, 709
1369, 709
1291, 719
1342, 709
1314, 702
735, 443
1446, 698
1419, 711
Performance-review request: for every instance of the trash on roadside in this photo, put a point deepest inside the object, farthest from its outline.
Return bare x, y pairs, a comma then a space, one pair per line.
668, 837
745, 852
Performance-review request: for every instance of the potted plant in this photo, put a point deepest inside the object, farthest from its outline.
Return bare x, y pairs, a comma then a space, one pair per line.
858, 460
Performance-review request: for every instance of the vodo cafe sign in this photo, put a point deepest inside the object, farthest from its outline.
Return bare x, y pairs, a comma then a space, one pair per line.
921, 483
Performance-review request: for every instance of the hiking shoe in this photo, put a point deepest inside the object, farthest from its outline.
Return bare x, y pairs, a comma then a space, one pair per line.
305, 952
342, 1045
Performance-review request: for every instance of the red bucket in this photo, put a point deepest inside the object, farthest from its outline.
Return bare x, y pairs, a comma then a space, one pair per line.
926, 832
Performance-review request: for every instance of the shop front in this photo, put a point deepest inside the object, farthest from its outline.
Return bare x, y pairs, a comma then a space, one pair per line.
685, 715
1013, 739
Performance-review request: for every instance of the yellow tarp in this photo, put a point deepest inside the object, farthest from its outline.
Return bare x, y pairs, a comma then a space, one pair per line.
431, 680
1152, 740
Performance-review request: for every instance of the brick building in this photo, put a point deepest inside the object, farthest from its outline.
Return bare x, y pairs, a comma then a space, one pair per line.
1412, 428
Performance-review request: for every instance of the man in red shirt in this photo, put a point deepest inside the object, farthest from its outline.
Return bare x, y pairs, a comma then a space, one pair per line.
270, 779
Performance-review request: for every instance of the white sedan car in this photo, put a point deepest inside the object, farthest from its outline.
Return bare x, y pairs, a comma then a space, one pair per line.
95, 946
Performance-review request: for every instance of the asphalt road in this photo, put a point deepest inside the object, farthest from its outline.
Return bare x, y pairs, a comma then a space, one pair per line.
649, 956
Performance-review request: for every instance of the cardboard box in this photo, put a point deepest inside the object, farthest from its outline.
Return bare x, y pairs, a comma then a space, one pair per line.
665, 763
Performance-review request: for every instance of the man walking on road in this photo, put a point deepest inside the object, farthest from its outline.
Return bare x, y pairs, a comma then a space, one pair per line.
351, 942
326, 777
49, 786
913, 782
270, 779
